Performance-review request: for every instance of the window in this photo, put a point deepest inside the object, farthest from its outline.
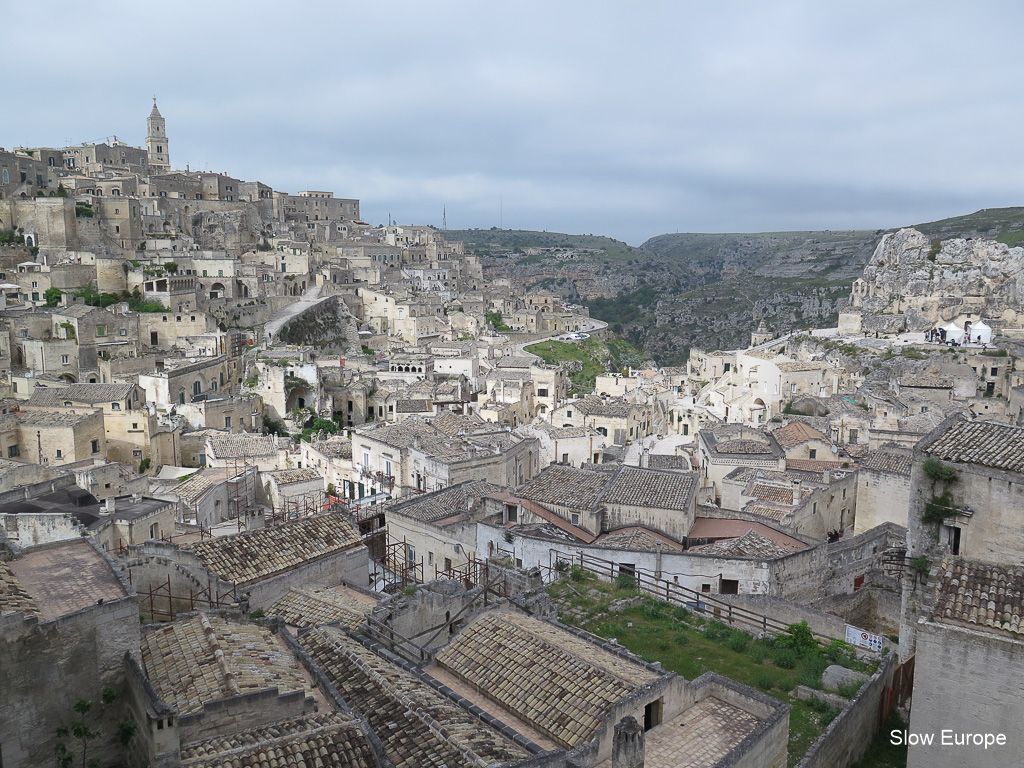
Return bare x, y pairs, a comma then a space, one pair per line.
95, 446
430, 558
447, 563
994, 372
115, 406
101, 330
13, 451
63, 359
227, 422
511, 513
575, 518
35, 296
135, 426
568, 414
812, 453
60, 455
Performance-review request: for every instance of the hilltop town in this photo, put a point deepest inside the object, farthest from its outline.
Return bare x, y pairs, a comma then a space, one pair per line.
281, 487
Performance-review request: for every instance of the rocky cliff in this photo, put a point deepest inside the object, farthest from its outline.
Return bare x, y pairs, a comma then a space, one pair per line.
930, 281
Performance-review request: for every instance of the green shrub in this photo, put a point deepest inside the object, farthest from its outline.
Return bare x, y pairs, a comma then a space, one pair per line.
849, 688
681, 613
716, 630
682, 639
144, 465
764, 681
936, 470
757, 652
737, 641
578, 573
826, 712
839, 652
799, 639
784, 658
653, 610
625, 581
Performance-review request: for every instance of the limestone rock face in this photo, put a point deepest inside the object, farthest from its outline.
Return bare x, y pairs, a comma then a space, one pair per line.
929, 284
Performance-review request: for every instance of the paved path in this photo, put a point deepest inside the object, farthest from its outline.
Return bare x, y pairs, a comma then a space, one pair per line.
308, 299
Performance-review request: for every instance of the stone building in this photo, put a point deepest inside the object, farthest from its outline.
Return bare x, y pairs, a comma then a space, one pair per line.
67, 619
969, 660
883, 487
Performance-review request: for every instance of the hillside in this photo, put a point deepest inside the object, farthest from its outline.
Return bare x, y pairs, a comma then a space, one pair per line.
677, 291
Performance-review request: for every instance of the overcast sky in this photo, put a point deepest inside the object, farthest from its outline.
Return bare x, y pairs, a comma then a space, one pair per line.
624, 119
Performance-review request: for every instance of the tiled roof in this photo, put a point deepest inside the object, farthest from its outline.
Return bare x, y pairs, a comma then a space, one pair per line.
239, 446
206, 658
774, 493
743, 446
989, 596
889, 460
334, 447
566, 486
731, 528
662, 461
636, 487
796, 433
311, 606
246, 558
987, 443
545, 676
413, 406
417, 725
777, 514
194, 488
13, 597
453, 501
592, 405
812, 465
330, 739
81, 393
750, 544
636, 538
288, 476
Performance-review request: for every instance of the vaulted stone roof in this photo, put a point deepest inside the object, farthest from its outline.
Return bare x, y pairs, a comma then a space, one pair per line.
454, 501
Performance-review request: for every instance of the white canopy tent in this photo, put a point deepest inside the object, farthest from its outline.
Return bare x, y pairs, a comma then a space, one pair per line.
981, 332
954, 332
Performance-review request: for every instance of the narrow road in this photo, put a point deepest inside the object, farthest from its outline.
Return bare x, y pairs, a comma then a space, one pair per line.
308, 299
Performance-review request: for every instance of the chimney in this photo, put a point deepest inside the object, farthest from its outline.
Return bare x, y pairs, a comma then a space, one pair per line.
136, 498
110, 505
826, 476
628, 744
796, 493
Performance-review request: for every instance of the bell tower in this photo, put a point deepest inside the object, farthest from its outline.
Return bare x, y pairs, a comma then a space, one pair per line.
156, 141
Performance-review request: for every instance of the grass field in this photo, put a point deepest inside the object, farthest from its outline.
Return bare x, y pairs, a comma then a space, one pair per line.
594, 356
690, 646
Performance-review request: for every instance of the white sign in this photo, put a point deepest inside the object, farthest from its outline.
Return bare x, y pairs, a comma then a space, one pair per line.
868, 640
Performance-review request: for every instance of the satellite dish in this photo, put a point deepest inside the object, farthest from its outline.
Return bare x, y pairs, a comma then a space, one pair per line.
191, 359
835, 449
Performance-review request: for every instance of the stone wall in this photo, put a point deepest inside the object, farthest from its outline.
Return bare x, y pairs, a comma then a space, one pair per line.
849, 735
967, 681
46, 666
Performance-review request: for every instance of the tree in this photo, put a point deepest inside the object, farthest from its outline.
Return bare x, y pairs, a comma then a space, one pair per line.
52, 296
85, 732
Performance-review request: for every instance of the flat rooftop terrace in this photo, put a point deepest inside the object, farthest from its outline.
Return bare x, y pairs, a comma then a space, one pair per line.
67, 578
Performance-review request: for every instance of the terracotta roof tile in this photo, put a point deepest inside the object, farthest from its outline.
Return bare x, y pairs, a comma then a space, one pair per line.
248, 557
988, 596
329, 739
311, 606
558, 682
417, 724
987, 443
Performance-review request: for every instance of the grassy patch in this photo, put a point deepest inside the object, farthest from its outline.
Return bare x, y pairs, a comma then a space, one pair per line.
593, 356
689, 645
882, 753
